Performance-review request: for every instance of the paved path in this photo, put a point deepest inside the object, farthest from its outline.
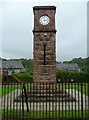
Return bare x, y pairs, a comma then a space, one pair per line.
7, 102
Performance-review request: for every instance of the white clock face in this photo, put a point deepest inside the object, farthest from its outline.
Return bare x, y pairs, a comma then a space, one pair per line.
44, 20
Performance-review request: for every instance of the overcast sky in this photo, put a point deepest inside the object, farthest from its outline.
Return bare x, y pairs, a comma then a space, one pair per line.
17, 25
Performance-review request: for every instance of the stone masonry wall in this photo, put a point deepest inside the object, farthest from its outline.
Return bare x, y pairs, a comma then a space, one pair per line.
44, 35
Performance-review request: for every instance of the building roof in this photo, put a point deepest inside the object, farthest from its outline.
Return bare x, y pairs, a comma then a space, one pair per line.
68, 66
13, 64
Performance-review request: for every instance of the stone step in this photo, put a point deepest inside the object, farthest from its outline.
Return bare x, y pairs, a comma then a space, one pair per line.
41, 96
44, 86
38, 91
46, 99
47, 95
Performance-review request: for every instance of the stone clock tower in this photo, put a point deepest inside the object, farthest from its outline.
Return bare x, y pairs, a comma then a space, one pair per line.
44, 44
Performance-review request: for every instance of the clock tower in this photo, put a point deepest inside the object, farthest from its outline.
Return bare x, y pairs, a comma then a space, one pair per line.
44, 44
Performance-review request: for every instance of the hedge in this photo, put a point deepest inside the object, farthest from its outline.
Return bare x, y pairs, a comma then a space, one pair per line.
72, 76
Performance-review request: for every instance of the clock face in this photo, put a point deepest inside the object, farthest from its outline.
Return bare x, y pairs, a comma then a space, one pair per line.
44, 20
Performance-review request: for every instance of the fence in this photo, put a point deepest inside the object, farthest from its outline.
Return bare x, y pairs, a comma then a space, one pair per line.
36, 101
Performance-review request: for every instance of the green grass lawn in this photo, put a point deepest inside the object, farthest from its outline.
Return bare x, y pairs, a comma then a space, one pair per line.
46, 114
85, 89
6, 89
24, 77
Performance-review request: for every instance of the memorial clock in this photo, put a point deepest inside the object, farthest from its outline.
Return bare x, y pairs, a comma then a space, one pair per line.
44, 35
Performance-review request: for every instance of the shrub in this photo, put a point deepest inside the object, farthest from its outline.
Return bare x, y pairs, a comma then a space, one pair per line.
67, 76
